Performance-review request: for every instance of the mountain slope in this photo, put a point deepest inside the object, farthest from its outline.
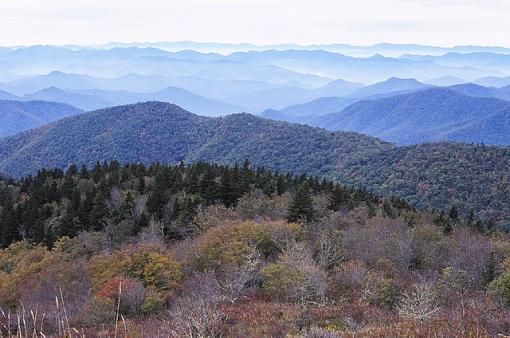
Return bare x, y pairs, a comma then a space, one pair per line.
419, 116
81, 100
53, 79
472, 89
473, 177
493, 81
309, 111
7, 96
156, 131
96, 99
16, 116
391, 85
426, 175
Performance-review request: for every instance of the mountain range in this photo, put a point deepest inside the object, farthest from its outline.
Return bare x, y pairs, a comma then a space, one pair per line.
436, 114
17, 116
427, 175
309, 67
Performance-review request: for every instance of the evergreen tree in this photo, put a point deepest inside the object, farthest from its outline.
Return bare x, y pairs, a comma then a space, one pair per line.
157, 198
98, 213
301, 207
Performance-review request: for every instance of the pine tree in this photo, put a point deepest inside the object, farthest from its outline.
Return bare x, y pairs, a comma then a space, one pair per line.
98, 213
301, 207
228, 190
208, 187
157, 198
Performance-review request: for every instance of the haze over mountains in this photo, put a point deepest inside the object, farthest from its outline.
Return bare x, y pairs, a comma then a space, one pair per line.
299, 85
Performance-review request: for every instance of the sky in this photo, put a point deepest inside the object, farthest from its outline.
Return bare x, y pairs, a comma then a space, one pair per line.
361, 22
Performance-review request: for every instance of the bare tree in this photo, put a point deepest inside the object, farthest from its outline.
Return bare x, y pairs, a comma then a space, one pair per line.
196, 313
233, 280
299, 257
420, 303
330, 251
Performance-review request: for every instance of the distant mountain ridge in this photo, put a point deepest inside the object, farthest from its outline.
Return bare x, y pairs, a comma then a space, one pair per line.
437, 114
17, 116
308, 112
428, 175
93, 99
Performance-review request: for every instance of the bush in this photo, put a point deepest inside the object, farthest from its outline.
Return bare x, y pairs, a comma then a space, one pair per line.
154, 303
283, 282
500, 288
383, 292
19, 263
131, 292
156, 268
231, 244
96, 313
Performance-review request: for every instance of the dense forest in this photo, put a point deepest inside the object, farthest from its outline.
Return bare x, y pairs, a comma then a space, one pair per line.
55, 203
207, 250
426, 176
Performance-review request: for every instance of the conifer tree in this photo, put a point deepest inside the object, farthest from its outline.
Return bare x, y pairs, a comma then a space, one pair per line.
301, 207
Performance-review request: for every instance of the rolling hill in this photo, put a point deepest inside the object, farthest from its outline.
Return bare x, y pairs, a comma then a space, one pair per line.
96, 99
78, 99
429, 115
429, 175
17, 116
281, 97
308, 112
7, 96
388, 86
472, 89
493, 81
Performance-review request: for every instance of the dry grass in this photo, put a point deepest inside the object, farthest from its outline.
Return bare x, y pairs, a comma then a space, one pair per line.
31, 323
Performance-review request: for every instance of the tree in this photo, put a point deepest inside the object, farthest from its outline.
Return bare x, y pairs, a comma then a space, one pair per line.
421, 303
197, 313
301, 207
157, 198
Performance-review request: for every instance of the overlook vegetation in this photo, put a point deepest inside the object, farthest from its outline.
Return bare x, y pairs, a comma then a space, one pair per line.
207, 250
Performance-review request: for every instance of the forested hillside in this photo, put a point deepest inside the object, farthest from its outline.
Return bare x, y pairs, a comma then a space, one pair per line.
208, 251
427, 175
473, 177
438, 114
17, 116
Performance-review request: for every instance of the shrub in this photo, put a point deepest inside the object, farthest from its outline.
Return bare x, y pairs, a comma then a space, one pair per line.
283, 282
500, 288
156, 268
19, 263
96, 313
197, 313
383, 292
154, 302
231, 244
131, 292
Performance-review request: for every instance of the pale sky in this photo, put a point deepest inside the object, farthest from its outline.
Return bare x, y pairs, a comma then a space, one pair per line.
435, 22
